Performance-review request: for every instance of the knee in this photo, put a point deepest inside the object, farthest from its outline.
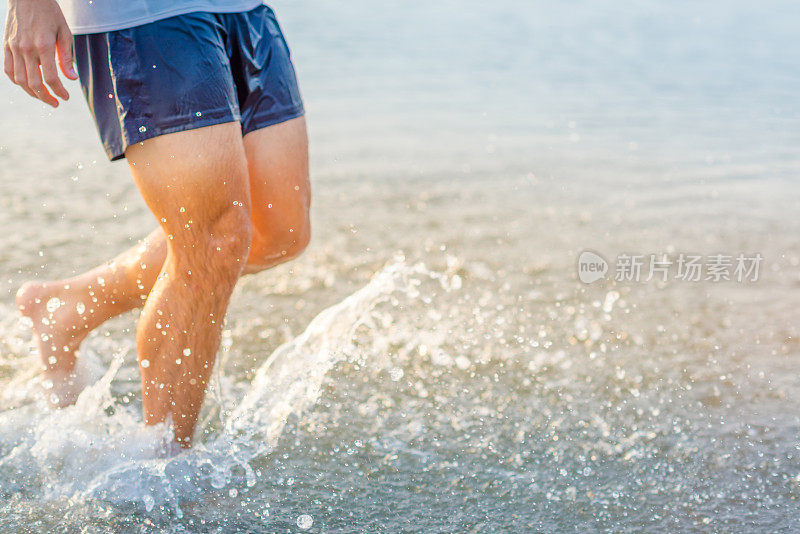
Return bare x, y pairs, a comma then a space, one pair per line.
230, 239
281, 244
220, 251
301, 237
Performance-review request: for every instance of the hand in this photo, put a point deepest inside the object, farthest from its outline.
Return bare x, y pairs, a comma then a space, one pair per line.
36, 32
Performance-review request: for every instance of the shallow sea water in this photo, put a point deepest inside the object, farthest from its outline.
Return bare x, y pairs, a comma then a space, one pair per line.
432, 363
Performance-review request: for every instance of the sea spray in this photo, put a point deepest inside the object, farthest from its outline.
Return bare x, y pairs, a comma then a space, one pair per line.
290, 379
98, 448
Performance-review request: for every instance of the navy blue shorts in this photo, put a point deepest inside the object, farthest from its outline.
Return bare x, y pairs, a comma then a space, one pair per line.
187, 72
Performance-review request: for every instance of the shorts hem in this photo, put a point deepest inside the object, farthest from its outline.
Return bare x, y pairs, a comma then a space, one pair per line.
270, 119
118, 152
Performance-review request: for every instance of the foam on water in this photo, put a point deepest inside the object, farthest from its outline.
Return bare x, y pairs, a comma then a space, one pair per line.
99, 449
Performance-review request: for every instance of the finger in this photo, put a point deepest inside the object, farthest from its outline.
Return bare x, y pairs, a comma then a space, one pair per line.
8, 62
35, 82
50, 74
20, 77
66, 56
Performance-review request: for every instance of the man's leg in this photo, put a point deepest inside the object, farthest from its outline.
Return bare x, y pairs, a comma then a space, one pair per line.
278, 170
196, 184
65, 311
280, 193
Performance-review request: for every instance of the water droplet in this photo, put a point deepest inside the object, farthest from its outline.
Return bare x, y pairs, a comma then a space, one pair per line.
233, 492
142, 129
187, 352
305, 521
53, 304
145, 363
149, 502
80, 307
456, 282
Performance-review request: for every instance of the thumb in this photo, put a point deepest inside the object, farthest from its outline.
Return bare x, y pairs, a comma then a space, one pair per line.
65, 55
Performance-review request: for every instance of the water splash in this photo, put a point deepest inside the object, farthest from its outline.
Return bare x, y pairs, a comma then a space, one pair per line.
290, 379
98, 449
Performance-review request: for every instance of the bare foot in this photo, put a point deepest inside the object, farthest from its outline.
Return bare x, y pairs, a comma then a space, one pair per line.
59, 325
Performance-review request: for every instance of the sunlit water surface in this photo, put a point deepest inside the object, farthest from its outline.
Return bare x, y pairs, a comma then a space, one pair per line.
432, 363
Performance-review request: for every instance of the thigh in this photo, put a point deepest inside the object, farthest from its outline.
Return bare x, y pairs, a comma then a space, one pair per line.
192, 179
280, 190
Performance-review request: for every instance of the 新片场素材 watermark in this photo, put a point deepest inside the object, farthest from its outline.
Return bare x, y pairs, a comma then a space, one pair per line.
740, 267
